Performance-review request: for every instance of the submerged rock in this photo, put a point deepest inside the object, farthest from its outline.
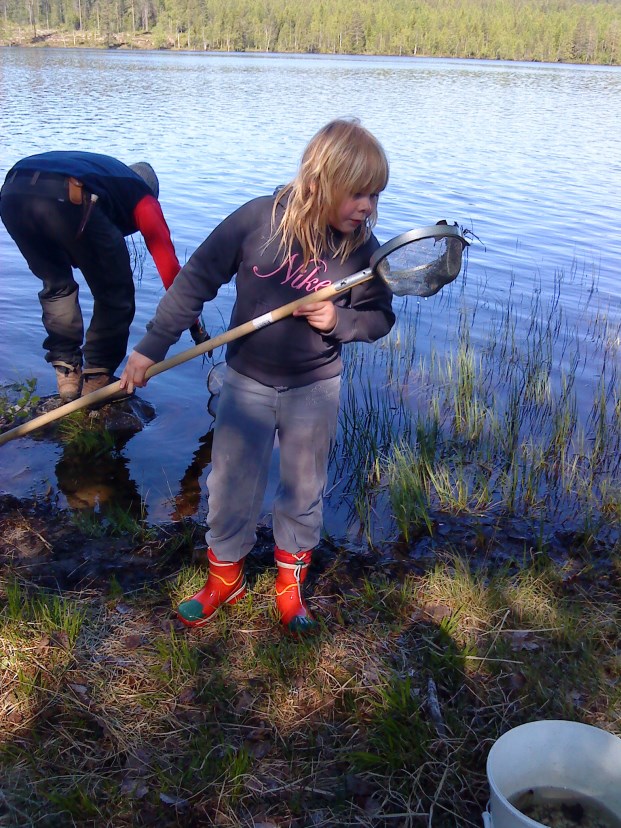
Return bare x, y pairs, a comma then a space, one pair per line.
120, 417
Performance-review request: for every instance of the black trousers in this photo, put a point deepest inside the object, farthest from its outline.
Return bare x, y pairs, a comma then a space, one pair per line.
45, 229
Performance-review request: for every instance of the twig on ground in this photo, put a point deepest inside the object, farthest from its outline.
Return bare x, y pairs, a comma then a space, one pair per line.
433, 706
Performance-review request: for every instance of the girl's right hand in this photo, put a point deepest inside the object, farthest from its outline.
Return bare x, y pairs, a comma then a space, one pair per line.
133, 373
319, 315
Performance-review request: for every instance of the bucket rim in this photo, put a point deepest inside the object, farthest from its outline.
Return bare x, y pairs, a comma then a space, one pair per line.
568, 724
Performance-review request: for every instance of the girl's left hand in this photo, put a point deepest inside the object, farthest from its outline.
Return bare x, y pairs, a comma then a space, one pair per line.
319, 315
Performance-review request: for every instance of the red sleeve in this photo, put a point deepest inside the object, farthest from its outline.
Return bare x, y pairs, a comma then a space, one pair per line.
152, 224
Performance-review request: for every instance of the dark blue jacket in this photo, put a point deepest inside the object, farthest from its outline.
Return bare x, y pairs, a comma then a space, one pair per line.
118, 188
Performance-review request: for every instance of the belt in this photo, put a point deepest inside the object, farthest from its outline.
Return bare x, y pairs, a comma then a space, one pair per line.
51, 185
42, 184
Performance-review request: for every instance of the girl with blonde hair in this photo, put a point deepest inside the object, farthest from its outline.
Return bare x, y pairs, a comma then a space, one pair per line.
283, 379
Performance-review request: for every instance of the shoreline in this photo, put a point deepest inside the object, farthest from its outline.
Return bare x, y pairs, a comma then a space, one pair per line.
128, 42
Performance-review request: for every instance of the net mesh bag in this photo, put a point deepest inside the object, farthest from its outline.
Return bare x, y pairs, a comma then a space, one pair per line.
422, 268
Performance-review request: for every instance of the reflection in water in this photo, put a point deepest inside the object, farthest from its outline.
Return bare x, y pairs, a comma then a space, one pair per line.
92, 471
189, 496
100, 482
103, 482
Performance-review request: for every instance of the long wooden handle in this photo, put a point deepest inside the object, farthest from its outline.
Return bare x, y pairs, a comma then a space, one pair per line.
159, 367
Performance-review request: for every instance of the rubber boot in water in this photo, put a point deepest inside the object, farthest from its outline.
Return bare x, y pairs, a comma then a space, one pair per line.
292, 609
225, 585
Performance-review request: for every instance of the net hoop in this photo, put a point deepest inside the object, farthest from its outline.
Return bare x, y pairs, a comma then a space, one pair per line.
435, 231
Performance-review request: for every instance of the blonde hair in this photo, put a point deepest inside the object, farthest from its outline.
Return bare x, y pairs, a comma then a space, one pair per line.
342, 159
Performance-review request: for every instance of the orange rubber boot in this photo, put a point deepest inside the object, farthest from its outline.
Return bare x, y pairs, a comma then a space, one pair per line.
225, 585
292, 571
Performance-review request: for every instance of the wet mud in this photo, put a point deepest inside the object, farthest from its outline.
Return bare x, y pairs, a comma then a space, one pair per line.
45, 543
40, 543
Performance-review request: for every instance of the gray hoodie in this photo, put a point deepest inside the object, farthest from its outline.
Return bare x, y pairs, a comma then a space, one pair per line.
290, 352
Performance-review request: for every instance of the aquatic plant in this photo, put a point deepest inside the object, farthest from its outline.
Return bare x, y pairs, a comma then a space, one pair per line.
523, 418
17, 401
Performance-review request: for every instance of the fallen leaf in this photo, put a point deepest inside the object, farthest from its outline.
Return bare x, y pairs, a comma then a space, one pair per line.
371, 676
517, 681
258, 749
169, 625
520, 640
123, 609
132, 642
258, 734
42, 643
135, 788
244, 701
436, 612
60, 639
138, 762
177, 801
15, 716
186, 696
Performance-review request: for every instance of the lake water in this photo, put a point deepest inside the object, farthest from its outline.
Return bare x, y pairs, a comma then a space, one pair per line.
526, 156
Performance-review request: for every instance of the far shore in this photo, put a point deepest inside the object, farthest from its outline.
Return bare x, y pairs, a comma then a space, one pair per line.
23, 37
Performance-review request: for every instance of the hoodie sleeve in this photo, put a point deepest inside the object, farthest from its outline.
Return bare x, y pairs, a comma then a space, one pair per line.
367, 317
364, 314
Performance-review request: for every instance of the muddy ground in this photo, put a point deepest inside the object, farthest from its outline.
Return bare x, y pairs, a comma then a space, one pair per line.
43, 544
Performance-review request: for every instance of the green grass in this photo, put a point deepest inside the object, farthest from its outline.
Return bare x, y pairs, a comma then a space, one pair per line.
123, 715
85, 436
112, 520
524, 422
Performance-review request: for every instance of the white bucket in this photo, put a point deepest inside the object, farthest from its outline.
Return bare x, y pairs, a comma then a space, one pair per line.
552, 754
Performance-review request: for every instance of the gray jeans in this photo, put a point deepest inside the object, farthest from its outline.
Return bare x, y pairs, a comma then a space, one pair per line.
249, 417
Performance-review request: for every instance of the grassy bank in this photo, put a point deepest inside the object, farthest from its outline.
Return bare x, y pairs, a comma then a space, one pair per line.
112, 715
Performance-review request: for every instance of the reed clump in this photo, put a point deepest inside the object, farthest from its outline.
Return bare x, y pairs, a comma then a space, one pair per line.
517, 414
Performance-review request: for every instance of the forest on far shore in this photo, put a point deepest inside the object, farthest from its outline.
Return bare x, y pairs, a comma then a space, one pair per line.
567, 31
